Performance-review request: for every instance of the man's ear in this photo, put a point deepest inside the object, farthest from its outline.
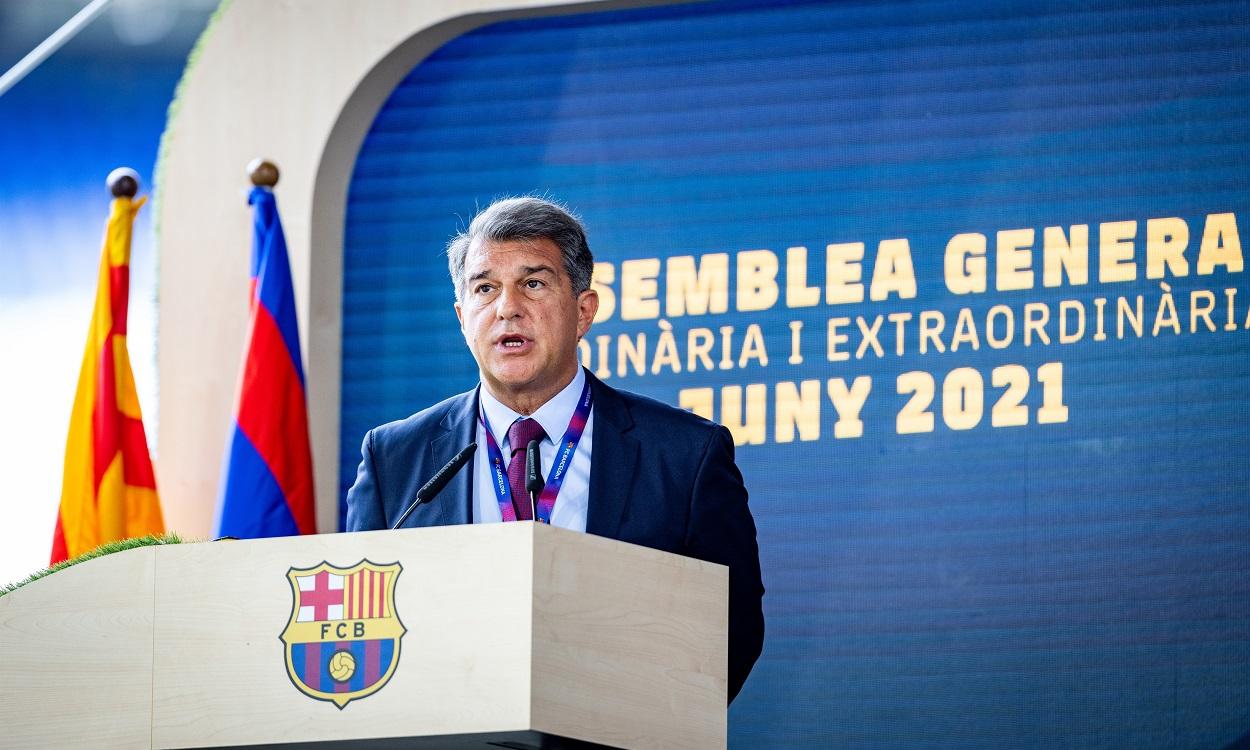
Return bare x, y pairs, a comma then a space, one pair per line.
459, 315
587, 306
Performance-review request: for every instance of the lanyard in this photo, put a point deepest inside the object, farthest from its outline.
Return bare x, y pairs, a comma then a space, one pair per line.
564, 459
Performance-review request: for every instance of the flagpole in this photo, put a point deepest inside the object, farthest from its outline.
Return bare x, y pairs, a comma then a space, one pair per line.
45, 49
267, 485
108, 487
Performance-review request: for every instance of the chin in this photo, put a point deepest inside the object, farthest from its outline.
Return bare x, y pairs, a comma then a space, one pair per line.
514, 380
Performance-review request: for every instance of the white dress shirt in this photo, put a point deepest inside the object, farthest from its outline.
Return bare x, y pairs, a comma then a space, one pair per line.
554, 416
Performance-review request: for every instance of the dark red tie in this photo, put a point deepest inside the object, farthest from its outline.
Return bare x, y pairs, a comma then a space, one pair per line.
520, 434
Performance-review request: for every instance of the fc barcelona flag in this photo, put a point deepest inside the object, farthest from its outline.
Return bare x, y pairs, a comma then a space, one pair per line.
108, 489
267, 481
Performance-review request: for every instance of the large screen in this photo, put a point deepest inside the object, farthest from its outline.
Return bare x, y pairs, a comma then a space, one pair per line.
965, 280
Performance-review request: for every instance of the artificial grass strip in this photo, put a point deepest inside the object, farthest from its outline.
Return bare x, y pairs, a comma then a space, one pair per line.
108, 548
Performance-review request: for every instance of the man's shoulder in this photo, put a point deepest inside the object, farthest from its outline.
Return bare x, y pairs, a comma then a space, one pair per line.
429, 418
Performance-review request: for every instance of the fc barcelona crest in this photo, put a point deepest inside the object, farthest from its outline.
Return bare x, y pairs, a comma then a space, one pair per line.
342, 641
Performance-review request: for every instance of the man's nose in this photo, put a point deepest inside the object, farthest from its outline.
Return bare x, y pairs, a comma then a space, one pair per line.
509, 304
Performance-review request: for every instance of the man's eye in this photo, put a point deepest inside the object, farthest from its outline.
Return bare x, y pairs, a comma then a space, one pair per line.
534, 284
482, 289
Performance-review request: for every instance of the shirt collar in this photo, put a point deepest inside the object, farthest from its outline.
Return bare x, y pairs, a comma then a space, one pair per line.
554, 416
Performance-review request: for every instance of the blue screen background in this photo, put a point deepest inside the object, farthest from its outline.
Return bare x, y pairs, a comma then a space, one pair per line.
1079, 584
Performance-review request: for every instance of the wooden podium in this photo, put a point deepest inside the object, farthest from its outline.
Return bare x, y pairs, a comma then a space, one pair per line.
514, 635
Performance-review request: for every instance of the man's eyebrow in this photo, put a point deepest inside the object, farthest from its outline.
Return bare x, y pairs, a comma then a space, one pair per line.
485, 273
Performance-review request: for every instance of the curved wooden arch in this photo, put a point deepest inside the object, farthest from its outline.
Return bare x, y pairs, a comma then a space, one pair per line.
299, 84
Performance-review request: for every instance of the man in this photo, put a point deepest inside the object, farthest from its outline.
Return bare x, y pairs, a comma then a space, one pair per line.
638, 470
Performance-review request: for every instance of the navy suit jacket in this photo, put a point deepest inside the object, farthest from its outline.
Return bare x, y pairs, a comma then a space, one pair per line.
660, 477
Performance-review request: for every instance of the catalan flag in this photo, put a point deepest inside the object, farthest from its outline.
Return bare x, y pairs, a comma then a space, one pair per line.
267, 480
108, 490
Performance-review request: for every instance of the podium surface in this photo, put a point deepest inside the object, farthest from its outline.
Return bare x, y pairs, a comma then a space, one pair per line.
514, 635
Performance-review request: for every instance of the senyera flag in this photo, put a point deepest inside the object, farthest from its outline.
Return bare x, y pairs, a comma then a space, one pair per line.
267, 481
108, 489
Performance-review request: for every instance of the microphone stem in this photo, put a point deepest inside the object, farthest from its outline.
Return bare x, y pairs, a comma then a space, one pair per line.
440, 479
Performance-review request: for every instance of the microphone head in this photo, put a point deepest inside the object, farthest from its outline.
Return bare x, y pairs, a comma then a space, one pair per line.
444, 475
437, 482
533, 475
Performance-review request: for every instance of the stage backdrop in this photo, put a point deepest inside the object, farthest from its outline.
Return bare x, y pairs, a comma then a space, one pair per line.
967, 282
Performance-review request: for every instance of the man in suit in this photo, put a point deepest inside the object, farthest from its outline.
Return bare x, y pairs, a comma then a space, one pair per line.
635, 469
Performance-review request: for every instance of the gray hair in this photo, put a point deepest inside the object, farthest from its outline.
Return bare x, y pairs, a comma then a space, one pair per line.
526, 218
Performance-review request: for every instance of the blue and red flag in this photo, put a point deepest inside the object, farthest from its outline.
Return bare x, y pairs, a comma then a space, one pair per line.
267, 479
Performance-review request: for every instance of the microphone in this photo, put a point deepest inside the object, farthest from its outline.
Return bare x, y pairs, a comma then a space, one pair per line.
438, 482
533, 476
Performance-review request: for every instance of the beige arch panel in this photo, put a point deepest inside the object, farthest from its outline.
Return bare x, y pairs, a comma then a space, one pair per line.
298, 83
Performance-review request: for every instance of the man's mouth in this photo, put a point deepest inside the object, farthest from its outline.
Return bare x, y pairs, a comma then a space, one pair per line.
513, 341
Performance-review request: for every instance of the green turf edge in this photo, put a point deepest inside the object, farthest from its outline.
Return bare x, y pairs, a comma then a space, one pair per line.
108, 548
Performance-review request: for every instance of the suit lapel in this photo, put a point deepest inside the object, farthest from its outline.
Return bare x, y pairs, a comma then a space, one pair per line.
454, 505
613, 463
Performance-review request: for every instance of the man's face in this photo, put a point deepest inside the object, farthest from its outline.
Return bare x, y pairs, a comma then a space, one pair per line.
520, 317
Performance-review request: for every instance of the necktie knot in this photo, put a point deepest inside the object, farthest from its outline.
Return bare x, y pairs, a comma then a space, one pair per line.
522, 432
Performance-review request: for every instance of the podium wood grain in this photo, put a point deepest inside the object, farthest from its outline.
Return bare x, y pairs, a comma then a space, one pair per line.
222, 611
76, 656
605, 635
515, 633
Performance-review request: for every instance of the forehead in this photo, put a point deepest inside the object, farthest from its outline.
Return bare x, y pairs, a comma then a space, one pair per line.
504, 256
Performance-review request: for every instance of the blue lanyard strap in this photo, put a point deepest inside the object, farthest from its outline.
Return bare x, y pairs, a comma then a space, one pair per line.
564, 459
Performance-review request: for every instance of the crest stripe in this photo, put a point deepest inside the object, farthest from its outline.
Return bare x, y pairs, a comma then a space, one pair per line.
358, 677
373, 654
297, 661
327, 682
388, 653
312, 666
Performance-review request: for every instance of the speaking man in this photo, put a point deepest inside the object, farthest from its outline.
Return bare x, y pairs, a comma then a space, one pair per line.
638, 470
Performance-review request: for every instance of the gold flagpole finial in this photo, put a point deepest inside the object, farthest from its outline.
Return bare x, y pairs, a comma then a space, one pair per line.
263, 173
